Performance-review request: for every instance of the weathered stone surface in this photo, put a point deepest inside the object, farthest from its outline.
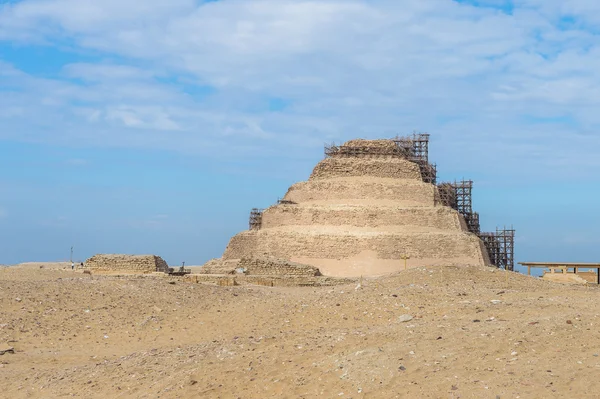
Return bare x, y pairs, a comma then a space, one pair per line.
333, 244
439, 218
396, 168
362, 190
274, 266
219, 266
110, 263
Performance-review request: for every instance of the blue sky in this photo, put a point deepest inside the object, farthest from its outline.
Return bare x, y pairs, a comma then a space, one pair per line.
154, 127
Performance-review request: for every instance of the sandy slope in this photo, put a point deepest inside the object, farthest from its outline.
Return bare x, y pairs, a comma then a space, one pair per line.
108, 337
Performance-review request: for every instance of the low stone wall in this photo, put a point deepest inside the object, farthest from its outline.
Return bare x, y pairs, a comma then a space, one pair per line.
397, 168
279, 267
440, 217
105, 263
405, 192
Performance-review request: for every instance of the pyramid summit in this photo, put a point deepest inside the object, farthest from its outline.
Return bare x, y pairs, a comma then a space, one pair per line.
364, 209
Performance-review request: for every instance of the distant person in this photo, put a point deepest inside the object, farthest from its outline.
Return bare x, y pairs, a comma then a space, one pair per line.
81, 265
72, 265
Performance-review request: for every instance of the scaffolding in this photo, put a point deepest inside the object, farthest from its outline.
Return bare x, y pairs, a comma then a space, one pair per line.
447, 195
417, 146
459, 196
464, 196
464, 204
342, 151
472, 220
428, 172
500, 247
255, 222
417, 149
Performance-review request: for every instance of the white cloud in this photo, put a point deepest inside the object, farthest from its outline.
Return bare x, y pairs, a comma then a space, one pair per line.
472, 76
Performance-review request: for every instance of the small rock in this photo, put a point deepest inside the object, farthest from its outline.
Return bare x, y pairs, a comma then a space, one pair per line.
18, 299
6, 349
404, 318
402, 368
476, 321
569, 322
496, 301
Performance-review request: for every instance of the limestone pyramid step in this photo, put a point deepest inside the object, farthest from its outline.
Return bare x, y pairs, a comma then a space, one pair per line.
404, 192
396, 168
328, 242
365, 215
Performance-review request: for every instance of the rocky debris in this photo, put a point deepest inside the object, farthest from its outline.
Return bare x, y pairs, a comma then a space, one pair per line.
404, 318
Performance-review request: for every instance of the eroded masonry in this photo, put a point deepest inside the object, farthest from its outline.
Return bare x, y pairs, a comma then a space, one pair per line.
127, 264
365, 208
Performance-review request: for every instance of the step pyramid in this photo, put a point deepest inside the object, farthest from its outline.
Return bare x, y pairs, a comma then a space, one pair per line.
364, 209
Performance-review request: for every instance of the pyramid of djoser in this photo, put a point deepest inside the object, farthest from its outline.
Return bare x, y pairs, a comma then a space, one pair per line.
362, 211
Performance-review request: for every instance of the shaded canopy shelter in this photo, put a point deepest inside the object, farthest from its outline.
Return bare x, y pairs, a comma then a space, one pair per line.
563, 266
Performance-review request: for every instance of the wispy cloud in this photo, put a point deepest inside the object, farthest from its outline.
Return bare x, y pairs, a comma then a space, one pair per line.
198, 76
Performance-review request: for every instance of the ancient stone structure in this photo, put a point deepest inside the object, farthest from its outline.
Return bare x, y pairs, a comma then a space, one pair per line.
364, 209
125, 264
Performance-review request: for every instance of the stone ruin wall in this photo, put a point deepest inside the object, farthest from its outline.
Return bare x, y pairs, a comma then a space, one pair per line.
219, 266
259, 266
133, 264
289, 245
441, 218
271, 266
395, 168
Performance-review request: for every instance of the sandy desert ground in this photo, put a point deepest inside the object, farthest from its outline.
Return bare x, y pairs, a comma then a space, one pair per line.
443, 332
